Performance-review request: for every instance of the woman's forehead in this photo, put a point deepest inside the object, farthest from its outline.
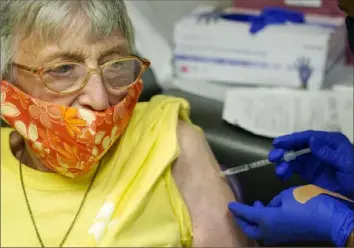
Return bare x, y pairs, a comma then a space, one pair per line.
77, 35
56, 21
76, 45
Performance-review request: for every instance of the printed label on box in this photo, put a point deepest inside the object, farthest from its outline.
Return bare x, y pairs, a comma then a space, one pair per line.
304, 3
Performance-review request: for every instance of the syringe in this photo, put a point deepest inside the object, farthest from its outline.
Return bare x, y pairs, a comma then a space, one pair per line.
288, 156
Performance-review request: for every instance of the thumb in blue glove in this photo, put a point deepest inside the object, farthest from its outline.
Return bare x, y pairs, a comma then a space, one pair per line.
330, 164
322, 218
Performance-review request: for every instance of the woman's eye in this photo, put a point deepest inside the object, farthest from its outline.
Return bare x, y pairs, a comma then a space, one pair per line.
61, 69
116, 65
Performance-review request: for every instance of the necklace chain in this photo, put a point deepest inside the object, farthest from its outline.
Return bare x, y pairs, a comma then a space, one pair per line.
76, 215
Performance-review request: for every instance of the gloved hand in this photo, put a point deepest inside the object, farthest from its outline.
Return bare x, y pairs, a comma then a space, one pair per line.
330, 165
322, 218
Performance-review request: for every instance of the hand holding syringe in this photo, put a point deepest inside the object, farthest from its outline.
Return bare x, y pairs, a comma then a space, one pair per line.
288, 156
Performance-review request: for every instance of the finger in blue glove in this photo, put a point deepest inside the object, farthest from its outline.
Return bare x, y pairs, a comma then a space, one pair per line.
323, 218
247, 218
330, 164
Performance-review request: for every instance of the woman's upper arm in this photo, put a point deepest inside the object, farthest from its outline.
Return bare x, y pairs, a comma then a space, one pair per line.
206, 194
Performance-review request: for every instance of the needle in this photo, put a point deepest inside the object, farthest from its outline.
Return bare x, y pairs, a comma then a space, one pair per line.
288, 156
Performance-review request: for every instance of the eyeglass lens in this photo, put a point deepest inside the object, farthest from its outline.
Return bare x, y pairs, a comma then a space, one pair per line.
71, 76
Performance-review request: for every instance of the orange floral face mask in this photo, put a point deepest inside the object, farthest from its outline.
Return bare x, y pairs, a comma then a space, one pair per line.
67, 140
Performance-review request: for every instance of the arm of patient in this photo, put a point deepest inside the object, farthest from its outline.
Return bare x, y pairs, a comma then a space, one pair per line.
206, 194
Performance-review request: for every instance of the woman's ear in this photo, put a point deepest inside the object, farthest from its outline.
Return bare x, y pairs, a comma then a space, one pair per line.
10, 75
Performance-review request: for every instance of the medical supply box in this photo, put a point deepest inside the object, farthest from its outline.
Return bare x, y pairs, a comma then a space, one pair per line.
287, 55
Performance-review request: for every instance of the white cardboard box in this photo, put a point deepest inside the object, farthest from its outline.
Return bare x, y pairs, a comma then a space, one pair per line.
226, 51
339, 79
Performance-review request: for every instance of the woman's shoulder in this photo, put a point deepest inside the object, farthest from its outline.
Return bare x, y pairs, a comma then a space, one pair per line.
159, 102
161, 110
196, 172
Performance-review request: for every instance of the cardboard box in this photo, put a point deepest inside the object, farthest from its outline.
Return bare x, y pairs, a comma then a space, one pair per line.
320, 7
289, 55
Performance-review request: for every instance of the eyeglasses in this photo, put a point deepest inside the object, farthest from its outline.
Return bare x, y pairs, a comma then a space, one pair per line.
69, 77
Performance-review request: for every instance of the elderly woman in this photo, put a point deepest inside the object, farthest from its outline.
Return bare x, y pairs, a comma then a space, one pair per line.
83, 164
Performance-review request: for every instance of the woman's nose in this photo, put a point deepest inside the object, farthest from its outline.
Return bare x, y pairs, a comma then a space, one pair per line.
94, 95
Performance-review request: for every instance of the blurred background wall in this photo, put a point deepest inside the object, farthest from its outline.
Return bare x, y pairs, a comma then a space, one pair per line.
163, 14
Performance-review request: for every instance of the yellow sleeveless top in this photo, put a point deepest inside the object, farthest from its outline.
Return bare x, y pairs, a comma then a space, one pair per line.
134, 200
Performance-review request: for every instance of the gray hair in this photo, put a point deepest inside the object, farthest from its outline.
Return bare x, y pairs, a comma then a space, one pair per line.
51, 18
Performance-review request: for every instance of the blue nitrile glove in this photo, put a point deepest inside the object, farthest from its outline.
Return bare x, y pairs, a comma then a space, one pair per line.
322, 218
330, 165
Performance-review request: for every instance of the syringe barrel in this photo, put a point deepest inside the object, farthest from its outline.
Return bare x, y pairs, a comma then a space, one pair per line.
288, 156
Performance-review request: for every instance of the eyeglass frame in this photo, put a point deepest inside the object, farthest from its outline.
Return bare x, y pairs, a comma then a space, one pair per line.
39, 71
